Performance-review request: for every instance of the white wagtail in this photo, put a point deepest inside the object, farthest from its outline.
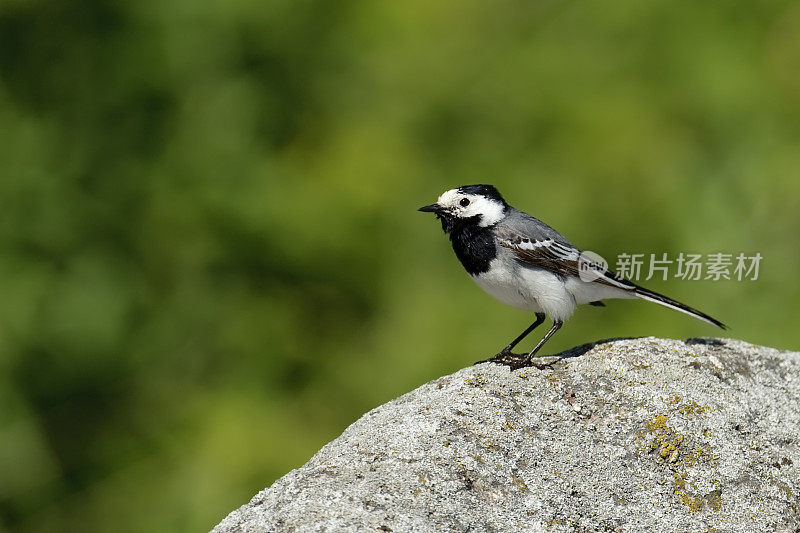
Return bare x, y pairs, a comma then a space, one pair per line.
525, 263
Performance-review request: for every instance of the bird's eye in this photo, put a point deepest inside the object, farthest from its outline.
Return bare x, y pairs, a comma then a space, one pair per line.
464, 202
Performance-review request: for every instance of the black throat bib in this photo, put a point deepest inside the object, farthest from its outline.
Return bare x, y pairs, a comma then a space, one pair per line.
474, 246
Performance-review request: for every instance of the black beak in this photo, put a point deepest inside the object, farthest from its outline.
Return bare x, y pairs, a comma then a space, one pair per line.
433, 208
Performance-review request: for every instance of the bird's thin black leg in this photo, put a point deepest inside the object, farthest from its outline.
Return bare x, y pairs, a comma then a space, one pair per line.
536, 323
556, 325
505, 356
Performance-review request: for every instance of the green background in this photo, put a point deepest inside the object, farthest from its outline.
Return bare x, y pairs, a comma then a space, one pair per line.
211, 261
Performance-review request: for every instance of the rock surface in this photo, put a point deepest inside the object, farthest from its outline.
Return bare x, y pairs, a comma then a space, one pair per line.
627, 435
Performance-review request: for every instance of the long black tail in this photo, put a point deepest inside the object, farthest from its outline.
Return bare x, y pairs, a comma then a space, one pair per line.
651, 296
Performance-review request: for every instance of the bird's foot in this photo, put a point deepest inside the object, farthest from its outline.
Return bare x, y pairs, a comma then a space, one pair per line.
511, 360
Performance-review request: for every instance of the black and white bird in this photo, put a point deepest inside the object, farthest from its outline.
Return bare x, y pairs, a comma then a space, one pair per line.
526, 264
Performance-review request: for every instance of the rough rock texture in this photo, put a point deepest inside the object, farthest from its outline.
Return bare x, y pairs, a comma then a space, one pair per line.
627, 435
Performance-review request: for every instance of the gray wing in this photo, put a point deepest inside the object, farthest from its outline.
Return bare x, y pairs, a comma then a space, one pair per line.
535, 244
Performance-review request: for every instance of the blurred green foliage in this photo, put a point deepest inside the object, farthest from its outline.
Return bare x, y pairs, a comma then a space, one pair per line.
211, 259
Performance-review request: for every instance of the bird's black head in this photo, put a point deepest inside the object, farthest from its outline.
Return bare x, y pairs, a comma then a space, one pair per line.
469, 205
488, 191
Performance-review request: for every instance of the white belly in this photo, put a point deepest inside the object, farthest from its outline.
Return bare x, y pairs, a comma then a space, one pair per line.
506, 287
529, 289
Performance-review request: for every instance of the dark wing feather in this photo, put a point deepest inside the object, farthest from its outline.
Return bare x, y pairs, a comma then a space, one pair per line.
561, 258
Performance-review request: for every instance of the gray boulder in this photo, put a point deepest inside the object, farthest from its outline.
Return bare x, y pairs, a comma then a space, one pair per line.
626, 435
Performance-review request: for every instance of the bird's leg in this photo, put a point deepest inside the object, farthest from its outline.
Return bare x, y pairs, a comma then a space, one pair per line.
556, 325
505, 356
507, 350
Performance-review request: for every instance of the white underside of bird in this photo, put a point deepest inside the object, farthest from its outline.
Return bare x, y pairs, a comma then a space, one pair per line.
540, 291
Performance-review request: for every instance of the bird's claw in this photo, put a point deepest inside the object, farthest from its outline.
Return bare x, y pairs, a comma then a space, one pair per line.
506, 358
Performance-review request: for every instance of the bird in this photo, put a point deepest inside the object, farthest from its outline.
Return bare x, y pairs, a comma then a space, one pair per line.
524, 263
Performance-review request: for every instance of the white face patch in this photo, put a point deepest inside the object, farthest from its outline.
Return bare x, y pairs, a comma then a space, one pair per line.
490, 211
